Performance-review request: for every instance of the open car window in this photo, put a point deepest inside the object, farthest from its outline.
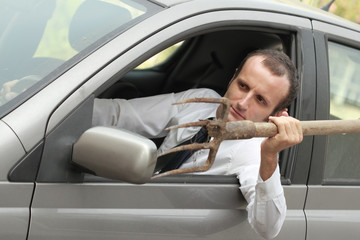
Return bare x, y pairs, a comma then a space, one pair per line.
205, 61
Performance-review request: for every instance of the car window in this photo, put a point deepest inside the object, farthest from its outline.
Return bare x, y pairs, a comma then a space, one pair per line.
36, 37
342, 159
161, 57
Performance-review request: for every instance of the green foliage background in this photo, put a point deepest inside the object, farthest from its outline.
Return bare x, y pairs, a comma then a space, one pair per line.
348, 9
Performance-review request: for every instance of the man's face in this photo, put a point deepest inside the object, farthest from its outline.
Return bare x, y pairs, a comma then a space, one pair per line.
255, 92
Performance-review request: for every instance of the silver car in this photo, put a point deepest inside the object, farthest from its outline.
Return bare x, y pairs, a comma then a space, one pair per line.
57, 56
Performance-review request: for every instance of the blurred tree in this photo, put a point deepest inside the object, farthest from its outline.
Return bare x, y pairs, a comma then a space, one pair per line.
349, 9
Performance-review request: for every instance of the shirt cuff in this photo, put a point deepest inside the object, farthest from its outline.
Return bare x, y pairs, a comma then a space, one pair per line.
271, 188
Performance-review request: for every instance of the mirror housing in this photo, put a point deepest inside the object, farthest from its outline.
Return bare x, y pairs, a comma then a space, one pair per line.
116, 154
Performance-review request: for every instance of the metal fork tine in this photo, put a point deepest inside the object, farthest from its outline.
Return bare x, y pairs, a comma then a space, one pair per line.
224, 101
200, 123
206, 166
203, 100
193, 146
214, 125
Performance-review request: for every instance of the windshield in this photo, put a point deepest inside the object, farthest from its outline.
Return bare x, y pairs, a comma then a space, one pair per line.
38, 36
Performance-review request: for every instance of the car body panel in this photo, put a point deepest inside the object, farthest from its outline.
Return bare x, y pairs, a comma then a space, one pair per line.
15, 198
289, 7
11, 150
14, 209
154, 211
350, 34
333, 212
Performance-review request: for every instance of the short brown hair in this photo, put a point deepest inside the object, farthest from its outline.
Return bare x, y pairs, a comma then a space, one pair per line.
279, 64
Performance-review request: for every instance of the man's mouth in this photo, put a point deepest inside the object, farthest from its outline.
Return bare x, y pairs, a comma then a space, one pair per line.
236, 114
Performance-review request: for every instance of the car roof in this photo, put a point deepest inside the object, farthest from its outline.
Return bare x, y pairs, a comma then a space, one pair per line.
291, 7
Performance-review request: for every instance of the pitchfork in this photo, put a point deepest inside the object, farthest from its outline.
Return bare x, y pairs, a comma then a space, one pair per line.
220, 130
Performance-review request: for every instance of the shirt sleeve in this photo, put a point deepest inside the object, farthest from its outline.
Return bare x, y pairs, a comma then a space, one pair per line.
266, 204
147, 116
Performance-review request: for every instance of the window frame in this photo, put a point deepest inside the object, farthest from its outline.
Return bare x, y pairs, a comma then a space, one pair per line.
337, 181
290, 174
340, 36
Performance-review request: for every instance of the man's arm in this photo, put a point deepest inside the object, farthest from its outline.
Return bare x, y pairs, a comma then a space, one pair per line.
267, 205
267, 211
148, 116
289, 134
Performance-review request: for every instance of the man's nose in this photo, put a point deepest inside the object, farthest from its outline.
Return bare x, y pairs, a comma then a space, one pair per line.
244, 102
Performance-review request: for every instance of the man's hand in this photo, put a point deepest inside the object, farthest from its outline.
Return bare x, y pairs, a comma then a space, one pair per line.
289, 134
13, 88
6, 93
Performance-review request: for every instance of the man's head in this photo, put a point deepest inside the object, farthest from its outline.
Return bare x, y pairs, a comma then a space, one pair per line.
265, 83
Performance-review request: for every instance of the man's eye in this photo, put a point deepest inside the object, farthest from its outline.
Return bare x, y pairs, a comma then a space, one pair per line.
261, 100
241, 85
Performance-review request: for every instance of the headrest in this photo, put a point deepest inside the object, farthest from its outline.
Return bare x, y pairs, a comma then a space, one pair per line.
23, 22
93, 20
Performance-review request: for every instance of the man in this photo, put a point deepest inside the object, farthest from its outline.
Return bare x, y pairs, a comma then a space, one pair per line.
260, 90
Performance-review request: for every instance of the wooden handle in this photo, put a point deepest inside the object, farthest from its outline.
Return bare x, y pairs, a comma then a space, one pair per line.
248, 129
321, 127
326, 127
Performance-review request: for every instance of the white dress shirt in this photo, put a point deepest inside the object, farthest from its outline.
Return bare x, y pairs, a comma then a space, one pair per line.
150, 116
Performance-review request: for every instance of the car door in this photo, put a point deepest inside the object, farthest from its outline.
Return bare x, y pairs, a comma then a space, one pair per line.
30, 90
71, 204
15, 197
332, 206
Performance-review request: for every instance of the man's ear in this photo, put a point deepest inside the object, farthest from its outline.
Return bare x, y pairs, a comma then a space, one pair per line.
282, 113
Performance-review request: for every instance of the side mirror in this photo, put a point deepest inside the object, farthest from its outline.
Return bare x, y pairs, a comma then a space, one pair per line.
116, 154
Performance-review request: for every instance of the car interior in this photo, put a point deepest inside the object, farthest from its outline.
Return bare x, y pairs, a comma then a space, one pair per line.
205, 61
